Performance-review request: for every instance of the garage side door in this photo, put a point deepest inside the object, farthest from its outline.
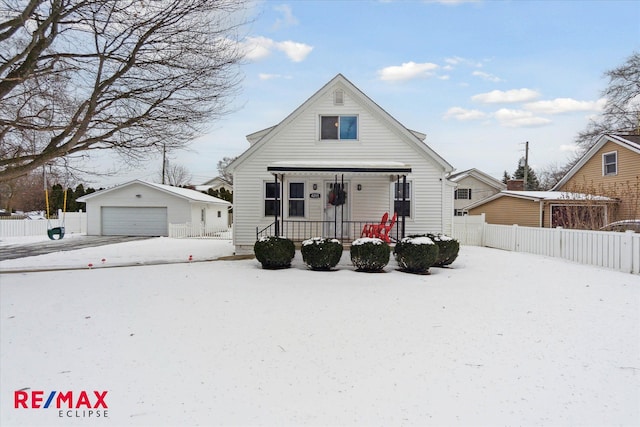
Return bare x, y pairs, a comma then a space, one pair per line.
130, 221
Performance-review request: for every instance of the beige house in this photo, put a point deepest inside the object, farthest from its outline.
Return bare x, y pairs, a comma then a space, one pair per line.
610, 168
545, 209
473, 186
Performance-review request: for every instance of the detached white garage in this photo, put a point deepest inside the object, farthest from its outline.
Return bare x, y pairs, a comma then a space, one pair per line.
140, 208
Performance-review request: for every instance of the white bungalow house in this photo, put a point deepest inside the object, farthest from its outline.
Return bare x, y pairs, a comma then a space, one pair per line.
140, 208
334, 164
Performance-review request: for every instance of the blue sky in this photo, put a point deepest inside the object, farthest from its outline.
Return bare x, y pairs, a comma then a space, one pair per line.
478, 77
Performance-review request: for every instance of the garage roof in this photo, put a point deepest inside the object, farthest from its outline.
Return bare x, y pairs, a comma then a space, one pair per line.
184, 193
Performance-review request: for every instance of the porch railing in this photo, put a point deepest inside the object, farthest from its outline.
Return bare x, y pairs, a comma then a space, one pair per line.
345, 231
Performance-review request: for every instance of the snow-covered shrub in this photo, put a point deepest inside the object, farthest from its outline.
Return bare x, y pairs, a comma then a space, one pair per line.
448, 249
416, 254
274, 252
369, 254
320, 253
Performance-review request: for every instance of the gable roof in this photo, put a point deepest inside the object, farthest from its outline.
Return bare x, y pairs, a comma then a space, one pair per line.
259, 138
630, 142
539, 196
480, 176
184, 193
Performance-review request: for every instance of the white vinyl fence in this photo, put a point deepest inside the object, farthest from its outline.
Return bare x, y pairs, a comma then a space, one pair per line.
610, 249
74, 222
199, 230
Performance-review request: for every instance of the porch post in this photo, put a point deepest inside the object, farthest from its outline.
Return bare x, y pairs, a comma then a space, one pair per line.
404, 202
335, 208
277, 206
342, 210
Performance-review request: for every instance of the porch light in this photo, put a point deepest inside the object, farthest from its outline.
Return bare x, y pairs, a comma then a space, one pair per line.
359, 187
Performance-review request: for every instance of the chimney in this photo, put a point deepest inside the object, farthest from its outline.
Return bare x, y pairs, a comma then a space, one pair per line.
515, 185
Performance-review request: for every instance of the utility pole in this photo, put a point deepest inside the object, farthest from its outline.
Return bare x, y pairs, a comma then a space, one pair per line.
164, 161
526, 165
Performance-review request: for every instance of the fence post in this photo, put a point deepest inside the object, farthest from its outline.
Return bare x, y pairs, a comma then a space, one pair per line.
557, 242
514, 238
626, 252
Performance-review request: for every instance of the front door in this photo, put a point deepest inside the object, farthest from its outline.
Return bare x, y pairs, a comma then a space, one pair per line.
336, 209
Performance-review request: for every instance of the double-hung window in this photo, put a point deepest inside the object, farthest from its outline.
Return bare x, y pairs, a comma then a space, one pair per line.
610, 163
271, 194
338, 127
463, 194
402, 199
296, 199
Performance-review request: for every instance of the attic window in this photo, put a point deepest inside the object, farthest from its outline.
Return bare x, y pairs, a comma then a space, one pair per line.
610, 163
338, 127
338, 97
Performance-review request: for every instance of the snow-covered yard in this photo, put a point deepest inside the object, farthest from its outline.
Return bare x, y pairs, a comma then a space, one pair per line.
500, 338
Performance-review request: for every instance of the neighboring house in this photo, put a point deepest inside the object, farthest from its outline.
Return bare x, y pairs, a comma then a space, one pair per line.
214, 184
140, 208
473, 186
610, 168
335, 163
544, 209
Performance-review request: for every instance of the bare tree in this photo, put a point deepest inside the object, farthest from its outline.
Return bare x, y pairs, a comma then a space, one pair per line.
621, 112
127, 75
177, 175
222, 169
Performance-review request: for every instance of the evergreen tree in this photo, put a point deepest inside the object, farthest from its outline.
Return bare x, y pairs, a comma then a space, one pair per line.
532, 180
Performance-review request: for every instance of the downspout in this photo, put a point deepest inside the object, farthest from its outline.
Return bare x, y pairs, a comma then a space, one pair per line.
442, 203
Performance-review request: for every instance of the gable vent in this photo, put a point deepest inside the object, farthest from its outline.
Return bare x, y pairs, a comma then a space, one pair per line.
338, 97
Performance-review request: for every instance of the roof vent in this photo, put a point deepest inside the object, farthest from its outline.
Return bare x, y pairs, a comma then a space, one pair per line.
338, 97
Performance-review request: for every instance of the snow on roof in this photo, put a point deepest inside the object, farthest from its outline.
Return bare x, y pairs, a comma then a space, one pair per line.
554, 195
178, 191
187, 193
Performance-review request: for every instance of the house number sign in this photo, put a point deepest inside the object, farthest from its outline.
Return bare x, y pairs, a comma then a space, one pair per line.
314, 195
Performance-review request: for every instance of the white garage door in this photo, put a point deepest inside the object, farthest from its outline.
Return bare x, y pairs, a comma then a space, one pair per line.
127, 221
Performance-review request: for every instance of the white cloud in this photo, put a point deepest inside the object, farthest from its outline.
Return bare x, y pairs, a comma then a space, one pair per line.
287, 19
519, 118
297, 52
463, 114
487, 76
407, 71
564, 105
257, 48
509, 96
265, 76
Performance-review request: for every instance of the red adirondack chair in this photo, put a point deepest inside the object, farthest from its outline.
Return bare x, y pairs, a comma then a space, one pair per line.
371, 230
384, 230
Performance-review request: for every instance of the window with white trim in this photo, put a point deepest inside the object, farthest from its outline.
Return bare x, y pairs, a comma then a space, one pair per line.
338, 127
610, 163
271, 194
463, 194
296, 199
400, 206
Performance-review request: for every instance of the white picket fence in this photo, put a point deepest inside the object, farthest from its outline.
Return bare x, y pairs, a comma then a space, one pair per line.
199, 230
609, 249
74, 222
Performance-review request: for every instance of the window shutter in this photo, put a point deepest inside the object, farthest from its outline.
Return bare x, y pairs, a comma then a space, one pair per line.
469, 194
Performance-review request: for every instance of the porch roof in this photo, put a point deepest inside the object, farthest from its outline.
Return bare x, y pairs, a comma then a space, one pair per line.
333, 167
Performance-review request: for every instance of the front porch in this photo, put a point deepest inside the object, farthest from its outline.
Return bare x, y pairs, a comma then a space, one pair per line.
336, 199
345, 231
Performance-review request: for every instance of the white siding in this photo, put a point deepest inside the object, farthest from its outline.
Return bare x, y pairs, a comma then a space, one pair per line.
298, 139
178, 209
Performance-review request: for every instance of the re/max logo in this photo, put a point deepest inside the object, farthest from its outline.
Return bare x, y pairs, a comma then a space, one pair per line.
58, 399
